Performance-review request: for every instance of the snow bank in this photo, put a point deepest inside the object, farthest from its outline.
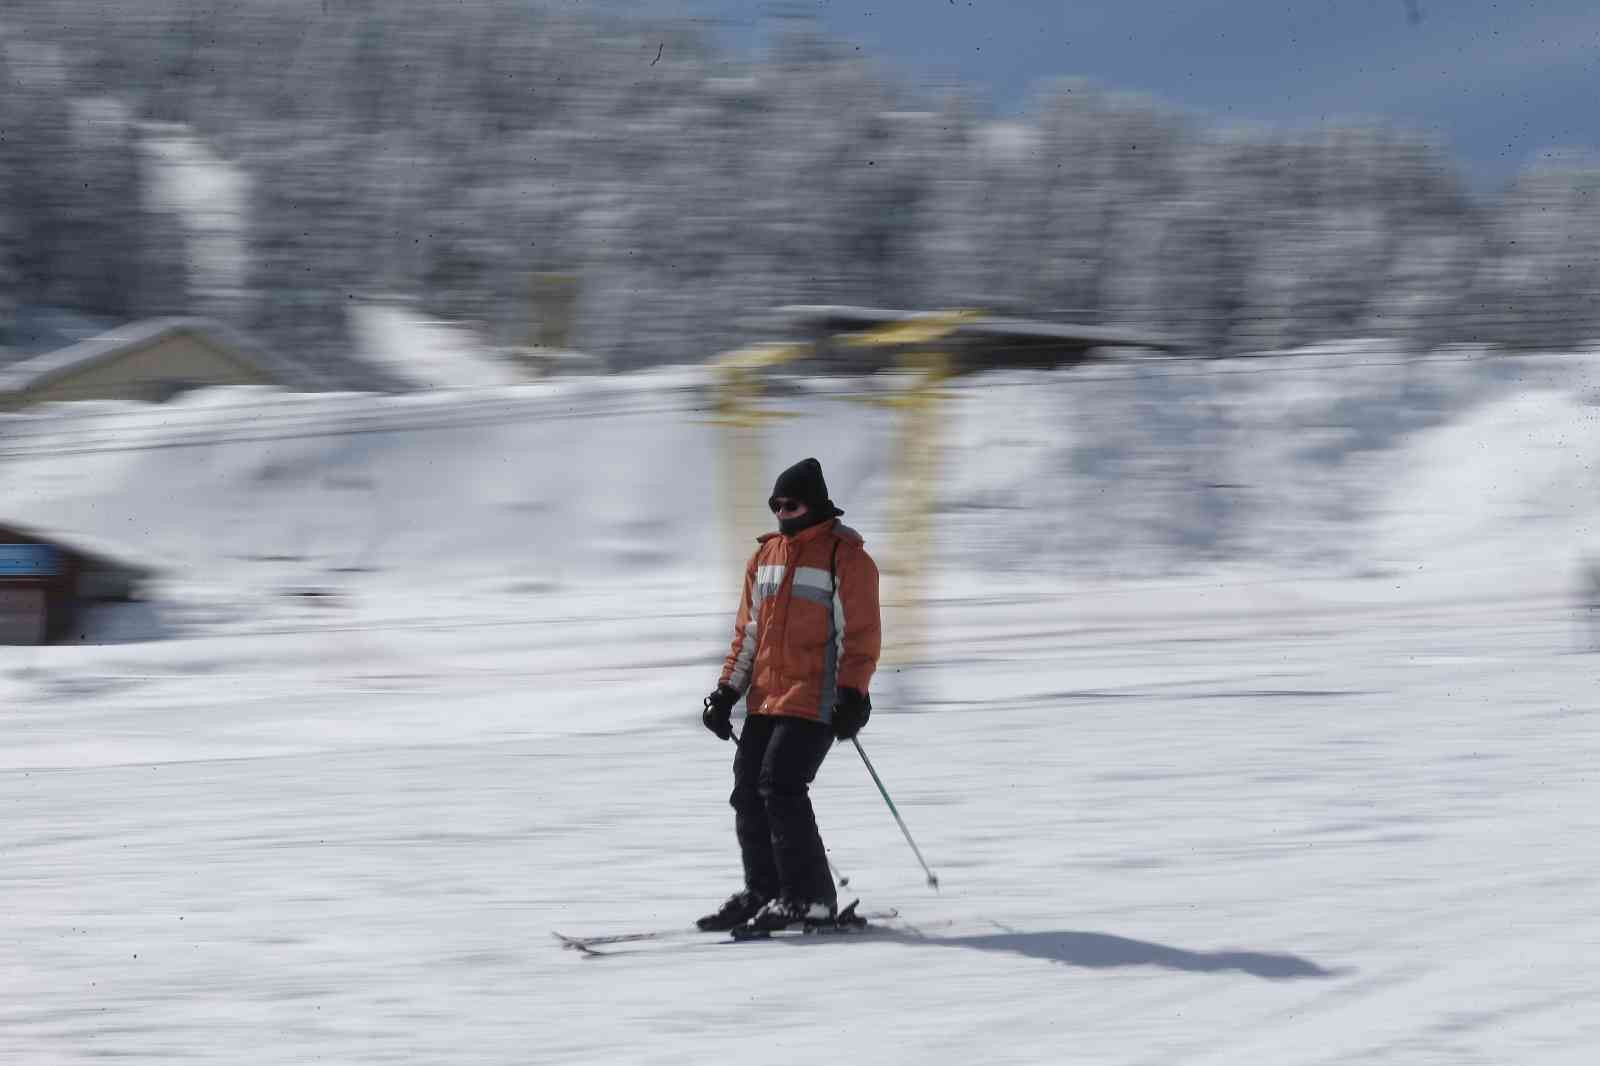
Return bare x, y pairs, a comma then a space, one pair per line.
1513, 487
428, 354
1340, 461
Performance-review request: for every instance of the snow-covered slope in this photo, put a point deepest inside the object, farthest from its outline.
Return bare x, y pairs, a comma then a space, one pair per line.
1512, 487
427, 687
1333, 462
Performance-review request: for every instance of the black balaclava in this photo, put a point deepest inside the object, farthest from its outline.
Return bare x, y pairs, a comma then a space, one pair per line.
803, 482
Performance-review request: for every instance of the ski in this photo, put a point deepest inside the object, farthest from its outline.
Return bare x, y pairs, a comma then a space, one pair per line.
746, 936
624, 938
597, 945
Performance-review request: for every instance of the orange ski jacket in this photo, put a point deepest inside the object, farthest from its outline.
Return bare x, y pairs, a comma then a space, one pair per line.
808, 623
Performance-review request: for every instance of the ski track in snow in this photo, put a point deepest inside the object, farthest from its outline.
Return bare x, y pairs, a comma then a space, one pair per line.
1369, 842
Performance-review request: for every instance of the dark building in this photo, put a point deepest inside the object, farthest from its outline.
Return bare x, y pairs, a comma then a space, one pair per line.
46, 585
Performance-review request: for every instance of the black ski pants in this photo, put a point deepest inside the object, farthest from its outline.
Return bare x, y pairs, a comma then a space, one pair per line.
777, 760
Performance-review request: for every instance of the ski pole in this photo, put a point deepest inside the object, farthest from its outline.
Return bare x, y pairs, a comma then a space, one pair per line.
933, 878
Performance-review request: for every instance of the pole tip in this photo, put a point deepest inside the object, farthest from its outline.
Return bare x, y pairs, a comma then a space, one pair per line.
933, 882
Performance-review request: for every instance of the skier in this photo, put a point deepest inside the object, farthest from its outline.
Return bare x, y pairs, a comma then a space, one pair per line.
805, 645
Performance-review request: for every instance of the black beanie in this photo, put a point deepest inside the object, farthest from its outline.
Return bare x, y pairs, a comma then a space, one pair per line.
803, 481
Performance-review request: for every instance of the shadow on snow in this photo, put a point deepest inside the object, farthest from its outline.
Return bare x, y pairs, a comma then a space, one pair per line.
1101, 951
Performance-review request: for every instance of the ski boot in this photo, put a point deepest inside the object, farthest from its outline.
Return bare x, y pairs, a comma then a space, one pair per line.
739, 909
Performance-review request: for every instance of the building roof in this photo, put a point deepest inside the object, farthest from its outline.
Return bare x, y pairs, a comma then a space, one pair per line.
42, 369
839, 318
91, 550
35, 329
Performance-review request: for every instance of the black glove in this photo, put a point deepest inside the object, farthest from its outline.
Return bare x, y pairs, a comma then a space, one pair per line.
851, 709
718, 715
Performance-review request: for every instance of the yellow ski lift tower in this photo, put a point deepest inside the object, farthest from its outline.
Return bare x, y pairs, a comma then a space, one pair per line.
923, 352
914, 474
738, 409
914, 463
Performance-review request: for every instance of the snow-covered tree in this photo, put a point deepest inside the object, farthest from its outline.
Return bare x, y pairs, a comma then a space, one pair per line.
456, 151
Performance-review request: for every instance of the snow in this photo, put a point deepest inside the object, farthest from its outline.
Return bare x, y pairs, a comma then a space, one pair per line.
1517, 480
427, 353
211, 196
424, 686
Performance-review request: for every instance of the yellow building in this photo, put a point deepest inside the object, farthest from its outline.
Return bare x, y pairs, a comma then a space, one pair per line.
150, 361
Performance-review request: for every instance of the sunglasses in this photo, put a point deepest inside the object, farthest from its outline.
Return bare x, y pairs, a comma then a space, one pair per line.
780, 505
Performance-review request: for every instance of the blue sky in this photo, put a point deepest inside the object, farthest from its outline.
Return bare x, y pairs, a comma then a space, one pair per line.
1499, 79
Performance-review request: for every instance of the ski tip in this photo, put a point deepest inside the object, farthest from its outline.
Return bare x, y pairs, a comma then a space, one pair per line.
569, 943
